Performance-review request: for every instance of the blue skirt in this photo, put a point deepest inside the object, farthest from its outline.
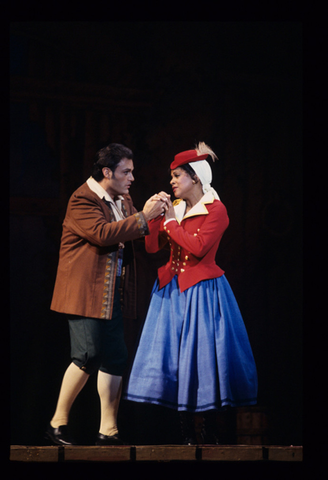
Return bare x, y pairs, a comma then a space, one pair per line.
194, 353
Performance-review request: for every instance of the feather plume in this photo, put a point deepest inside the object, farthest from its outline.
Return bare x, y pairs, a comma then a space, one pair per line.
202, 149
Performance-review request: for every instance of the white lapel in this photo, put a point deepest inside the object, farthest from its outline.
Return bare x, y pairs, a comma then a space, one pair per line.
198, 209
180, 210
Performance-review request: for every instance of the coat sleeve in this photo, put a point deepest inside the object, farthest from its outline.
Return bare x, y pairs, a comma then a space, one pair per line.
156, 240
86, 218
199, 243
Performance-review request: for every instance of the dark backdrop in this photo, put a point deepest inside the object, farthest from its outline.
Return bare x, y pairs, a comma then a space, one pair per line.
158, 87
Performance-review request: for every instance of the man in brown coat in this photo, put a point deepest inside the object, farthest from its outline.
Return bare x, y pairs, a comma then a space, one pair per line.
95, 265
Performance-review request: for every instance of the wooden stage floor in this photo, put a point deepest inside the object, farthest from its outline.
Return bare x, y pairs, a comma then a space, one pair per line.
157, 453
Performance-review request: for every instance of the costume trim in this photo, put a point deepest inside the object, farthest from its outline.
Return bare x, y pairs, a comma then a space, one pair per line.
142, 224
109, 286
191, 408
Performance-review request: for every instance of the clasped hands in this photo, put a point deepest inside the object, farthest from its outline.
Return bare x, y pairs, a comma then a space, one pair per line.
157, 205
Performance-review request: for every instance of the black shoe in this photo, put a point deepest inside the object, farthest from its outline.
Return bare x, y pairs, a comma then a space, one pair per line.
210, 433
210, 438
59, 436
108, 440
188, 434
189, 441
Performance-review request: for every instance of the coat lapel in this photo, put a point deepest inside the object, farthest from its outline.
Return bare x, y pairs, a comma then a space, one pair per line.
198, 209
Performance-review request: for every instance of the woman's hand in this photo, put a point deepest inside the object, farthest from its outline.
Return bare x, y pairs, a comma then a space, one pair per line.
170, 213
156, 205
164, 197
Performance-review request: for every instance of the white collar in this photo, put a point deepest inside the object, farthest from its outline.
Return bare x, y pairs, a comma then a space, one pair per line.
100, 191
198, 209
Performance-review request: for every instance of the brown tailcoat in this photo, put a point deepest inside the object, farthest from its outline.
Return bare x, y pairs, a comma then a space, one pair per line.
88, 256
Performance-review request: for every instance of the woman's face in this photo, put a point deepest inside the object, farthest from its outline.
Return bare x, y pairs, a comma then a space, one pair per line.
181, 183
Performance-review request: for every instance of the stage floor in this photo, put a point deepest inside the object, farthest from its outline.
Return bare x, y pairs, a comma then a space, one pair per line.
157, 453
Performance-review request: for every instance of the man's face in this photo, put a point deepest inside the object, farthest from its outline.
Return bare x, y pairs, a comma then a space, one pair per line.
119, 182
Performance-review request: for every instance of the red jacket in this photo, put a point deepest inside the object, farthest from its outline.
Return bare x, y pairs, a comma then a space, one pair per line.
193, 242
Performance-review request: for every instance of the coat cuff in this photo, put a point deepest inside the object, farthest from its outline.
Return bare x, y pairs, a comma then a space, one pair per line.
142, 224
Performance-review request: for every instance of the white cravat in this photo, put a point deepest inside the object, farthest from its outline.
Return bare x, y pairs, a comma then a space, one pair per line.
117, 210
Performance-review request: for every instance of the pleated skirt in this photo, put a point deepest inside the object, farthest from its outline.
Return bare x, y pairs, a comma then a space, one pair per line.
194, 353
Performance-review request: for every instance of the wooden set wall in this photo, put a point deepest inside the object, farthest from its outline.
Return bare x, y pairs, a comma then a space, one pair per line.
59, 121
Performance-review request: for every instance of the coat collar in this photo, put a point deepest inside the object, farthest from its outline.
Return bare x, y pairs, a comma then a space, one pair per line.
102, 194
100, 191
198, 209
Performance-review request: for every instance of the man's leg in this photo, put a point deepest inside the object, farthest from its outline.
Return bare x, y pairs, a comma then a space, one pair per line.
73, 382
109, 389
85, 337
113, 365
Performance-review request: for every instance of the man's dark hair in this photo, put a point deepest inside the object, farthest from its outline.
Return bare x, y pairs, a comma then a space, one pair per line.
110, 157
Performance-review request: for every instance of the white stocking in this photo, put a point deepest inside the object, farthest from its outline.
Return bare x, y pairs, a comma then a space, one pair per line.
109, 389
73, 382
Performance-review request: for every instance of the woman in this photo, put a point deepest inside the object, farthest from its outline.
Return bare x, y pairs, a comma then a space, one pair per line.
194, 354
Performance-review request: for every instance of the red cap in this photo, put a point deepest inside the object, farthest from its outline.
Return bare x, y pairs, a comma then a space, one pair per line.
186, 157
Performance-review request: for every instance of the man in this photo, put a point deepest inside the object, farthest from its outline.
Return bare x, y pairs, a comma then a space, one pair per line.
95, 264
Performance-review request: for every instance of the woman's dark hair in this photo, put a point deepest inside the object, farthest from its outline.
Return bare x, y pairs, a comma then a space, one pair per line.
187, 168
110, 157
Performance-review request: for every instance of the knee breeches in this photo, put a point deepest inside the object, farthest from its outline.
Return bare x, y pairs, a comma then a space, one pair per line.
98, 344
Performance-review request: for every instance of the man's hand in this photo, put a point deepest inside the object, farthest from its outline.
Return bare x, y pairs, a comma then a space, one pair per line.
156, 205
